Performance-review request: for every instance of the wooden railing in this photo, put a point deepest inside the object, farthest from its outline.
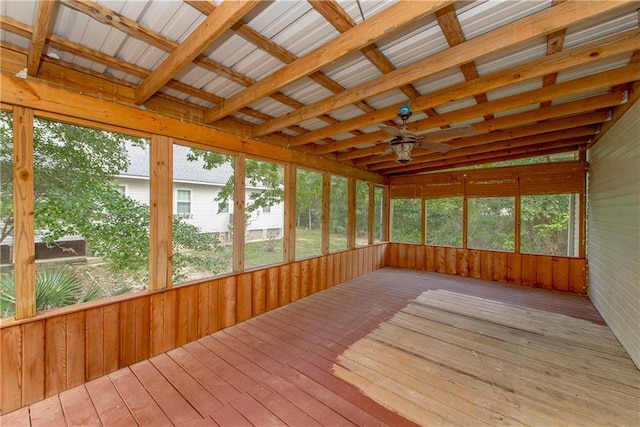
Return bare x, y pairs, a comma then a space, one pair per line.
543, 271
63, 348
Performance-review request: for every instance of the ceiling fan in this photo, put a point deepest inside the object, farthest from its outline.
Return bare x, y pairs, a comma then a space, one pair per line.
404, 141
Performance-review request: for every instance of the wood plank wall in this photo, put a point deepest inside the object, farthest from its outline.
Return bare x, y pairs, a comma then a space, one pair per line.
55, 351
543, 271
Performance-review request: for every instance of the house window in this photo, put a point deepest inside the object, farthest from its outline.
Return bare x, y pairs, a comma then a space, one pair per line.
183, 201
122, 189
266, 209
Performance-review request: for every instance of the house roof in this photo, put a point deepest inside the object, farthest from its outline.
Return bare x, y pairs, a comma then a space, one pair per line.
322, 76
184, 170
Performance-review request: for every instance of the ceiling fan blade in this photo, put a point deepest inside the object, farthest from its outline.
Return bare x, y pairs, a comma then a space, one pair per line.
385, 152
437, 146
391, 130
449, 133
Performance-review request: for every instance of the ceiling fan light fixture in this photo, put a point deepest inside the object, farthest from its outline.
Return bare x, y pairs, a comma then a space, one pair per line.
402, 150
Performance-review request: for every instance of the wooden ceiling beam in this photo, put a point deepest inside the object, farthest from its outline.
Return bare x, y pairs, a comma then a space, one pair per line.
394, 18
598, 50
452, 30
597, 81
535, 25
545, 149
277, 51
336, 16
557, 125
555, 44
214, 25
39, 35
468, 152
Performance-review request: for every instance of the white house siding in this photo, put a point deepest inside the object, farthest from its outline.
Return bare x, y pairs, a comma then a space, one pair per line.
136, 188
614, 229
204, 208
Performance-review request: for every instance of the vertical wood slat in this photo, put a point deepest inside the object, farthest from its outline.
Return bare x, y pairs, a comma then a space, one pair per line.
259, 292
528, 270
544, 272
273, 284
560, 268
514, 268
23, 227
244, 299
578, 275
95, 343
55, 355
128, 332
294, 278
11, 364
227, 301
500, 266
32, 366
76, 346
305, 278
284, 285
187, 314
474, 263
156, 337
111, 338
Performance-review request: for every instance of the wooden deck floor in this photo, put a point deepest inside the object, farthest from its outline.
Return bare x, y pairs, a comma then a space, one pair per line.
394, 347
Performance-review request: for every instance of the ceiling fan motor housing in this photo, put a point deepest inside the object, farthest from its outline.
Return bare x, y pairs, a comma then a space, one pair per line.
405, 112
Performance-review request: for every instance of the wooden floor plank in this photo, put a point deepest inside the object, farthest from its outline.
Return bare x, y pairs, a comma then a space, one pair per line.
78, 407
198, 396
394, 347
47, 413
111, 409
218, 387
144, 409
173, 404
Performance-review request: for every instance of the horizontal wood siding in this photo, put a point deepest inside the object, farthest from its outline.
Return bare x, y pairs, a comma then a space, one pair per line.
541, 271
614, 229
61, 349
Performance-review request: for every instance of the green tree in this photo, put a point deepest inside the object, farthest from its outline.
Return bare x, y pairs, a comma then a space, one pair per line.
406, 216
309, 199
75, 194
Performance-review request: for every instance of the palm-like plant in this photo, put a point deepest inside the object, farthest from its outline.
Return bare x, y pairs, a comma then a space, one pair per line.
54, 288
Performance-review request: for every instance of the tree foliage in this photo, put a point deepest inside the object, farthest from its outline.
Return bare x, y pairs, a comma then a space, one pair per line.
75, 195
406, 218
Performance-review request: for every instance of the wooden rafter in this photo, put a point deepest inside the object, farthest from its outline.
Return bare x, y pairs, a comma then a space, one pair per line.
227, 14
541, 23
395, 17
448, 20
581, 55
38, 37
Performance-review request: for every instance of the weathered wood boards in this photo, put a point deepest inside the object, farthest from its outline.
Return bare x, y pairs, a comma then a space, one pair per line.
542, 271
61, 349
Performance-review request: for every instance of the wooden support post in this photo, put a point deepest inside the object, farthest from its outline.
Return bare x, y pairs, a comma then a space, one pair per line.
23, 199
351, 213
423, 221
161, 224
239, 221
326, 211
465, 215
372, 213
290, 180
386, 206
582, 211
518, 219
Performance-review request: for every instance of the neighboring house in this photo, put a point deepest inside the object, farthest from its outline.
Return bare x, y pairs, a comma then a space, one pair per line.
194, 194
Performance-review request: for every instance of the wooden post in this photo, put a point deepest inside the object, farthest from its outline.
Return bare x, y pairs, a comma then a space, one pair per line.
326, 210
161, 225
465, 216
351, 213
582, 211
372, 213
23, 199
386, 206
518, 219
239, 213
423, 221
290, 180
